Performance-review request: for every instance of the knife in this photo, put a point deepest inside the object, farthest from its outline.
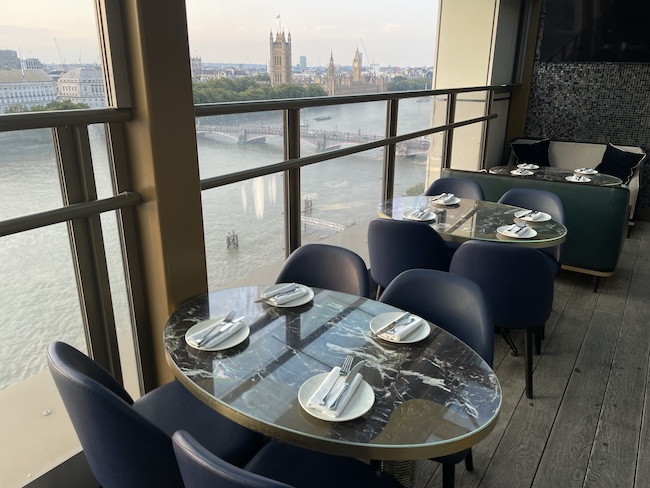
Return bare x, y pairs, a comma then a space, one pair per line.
218, 330
391, 324
348, 379
283, 290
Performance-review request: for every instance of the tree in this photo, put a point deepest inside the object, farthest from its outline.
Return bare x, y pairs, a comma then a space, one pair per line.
250, 88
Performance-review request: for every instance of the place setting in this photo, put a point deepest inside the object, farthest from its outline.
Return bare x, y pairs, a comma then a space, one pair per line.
399, 327
444, 199
422, 214
586, 171
339, 395
532, 216
520, 171
218, 334
518, 230
527, 166
286, 295
579, 177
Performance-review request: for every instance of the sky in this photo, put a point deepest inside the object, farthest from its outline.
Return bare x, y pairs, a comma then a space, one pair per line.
238, 31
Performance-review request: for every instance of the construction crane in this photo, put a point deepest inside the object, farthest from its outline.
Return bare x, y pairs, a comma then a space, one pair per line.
64, 67
365, 51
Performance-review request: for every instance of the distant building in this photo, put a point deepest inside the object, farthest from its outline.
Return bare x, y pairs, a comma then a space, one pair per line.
303, 63
280, 60
196, 66
358, 82
25, 88
82, 85
32, 63
9, 59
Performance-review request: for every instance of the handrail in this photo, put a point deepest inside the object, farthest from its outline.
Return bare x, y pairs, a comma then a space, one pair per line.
226, 108
70, 212
268, 169
62, 118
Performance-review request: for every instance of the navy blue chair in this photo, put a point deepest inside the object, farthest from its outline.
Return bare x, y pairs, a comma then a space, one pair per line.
461, 187
518, 284
397, 245
277, 465
325, 266
542, 201
128, 444
459, 306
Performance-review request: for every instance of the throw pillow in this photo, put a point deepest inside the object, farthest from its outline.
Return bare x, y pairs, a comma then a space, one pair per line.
619, 163
536, 152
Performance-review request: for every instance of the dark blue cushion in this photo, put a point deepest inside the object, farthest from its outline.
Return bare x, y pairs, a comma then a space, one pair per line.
536, 152
619, 163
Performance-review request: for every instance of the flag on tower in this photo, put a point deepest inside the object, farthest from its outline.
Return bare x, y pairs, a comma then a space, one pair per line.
277, 17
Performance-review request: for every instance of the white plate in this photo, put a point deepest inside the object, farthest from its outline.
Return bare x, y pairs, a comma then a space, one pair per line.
527, 166
517, 172
232, 341
542, 218
573, 179
293, 303
360, 403
524, 234
407, 216
417, 335
586, 171
453, 201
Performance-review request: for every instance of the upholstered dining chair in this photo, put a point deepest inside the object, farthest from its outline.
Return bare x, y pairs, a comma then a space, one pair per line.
461, 187
542, 201
459, 306
128, 443
397, 245
325, 266
518, 284
277, 465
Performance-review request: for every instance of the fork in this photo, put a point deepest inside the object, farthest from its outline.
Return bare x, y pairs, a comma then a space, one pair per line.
216, 327
345, 369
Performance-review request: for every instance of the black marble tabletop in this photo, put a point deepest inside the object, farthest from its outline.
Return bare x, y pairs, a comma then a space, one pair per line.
549, 173
474, 219
432, 398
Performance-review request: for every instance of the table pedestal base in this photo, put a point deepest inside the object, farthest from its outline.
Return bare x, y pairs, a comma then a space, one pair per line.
402, 471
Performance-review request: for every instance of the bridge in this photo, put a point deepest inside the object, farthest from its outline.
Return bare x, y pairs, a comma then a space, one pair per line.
322, 140
322, 224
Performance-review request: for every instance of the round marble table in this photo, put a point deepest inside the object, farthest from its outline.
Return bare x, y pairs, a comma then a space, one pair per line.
549, 173
432, 398
474, 219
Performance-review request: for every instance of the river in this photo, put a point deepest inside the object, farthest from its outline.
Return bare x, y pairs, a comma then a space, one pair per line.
38, 296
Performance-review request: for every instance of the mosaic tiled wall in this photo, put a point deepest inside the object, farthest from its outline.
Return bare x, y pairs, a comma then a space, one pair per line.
593, 102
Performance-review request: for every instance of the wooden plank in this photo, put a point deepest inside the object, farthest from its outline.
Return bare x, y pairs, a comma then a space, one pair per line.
566, 456
517, 456
614, 455
567, 451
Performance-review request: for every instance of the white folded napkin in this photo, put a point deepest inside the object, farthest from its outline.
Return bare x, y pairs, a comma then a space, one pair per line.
444, 198
222, 336
333, 378
426, 215
289, 297
402, 331
272, 290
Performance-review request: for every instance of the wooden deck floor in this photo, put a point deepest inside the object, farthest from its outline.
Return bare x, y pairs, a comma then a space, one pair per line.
587, 424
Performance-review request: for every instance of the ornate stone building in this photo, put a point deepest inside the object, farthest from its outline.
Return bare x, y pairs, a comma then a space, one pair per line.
280, 61
25, 88
82, 85
358, 82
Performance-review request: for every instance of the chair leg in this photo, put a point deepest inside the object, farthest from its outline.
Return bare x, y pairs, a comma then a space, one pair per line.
448, 475
529, 362
538, 340
509, 341
469, 461
596, 283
